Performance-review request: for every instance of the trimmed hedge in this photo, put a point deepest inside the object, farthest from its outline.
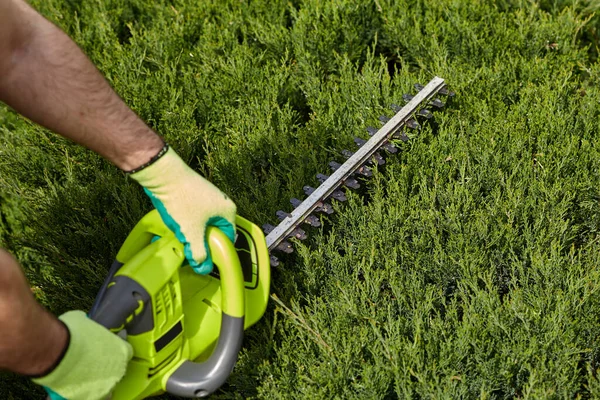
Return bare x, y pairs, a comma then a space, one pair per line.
467, 267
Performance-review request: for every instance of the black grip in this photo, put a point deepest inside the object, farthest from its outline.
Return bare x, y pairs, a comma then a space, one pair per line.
120, 302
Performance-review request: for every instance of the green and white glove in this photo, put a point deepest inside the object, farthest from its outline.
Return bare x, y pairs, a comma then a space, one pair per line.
95, 361
187, 204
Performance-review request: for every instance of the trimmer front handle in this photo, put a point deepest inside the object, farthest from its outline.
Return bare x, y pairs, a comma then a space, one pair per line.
201, 379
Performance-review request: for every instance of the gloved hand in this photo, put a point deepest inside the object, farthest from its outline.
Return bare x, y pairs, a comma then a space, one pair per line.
95, 361
187, 203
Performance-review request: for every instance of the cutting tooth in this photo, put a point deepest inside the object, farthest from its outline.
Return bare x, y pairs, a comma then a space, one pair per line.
402, 136
419, 87
338, 195
268, 228
319, 206
274, 261
347, 153
395, 107
383, 119
298, 234
334, 165
313, 221
324, 208
359, 142
378, 159
322, 177
295, 202
423, 112
407, 97
390, 148
285, 247
371, 130
365, 171
412, 124
437, 103
352, 183
446, 92
282, 215
308, 190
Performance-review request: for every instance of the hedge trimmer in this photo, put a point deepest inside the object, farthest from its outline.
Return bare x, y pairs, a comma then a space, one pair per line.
186, 329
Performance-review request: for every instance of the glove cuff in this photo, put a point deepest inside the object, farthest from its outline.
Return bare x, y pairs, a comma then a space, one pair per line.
95, 361
158, 155
163, 172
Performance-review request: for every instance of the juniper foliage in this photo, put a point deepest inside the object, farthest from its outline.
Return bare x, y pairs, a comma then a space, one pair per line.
467, 268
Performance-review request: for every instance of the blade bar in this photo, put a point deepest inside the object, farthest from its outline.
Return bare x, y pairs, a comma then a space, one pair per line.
362, 155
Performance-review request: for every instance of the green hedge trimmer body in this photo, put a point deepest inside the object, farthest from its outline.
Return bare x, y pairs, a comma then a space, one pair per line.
186, 329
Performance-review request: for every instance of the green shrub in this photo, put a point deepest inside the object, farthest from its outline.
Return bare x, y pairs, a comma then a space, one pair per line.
467, 268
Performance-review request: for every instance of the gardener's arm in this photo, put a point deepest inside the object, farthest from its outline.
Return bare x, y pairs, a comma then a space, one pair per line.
47, 78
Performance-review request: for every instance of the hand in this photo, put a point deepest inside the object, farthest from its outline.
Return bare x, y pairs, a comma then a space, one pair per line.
95, 361
187, 203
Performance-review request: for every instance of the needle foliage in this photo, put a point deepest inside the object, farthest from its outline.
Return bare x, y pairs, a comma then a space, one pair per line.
468, 267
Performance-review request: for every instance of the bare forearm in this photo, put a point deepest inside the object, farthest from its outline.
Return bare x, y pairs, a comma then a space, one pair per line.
49, 80
31, 339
